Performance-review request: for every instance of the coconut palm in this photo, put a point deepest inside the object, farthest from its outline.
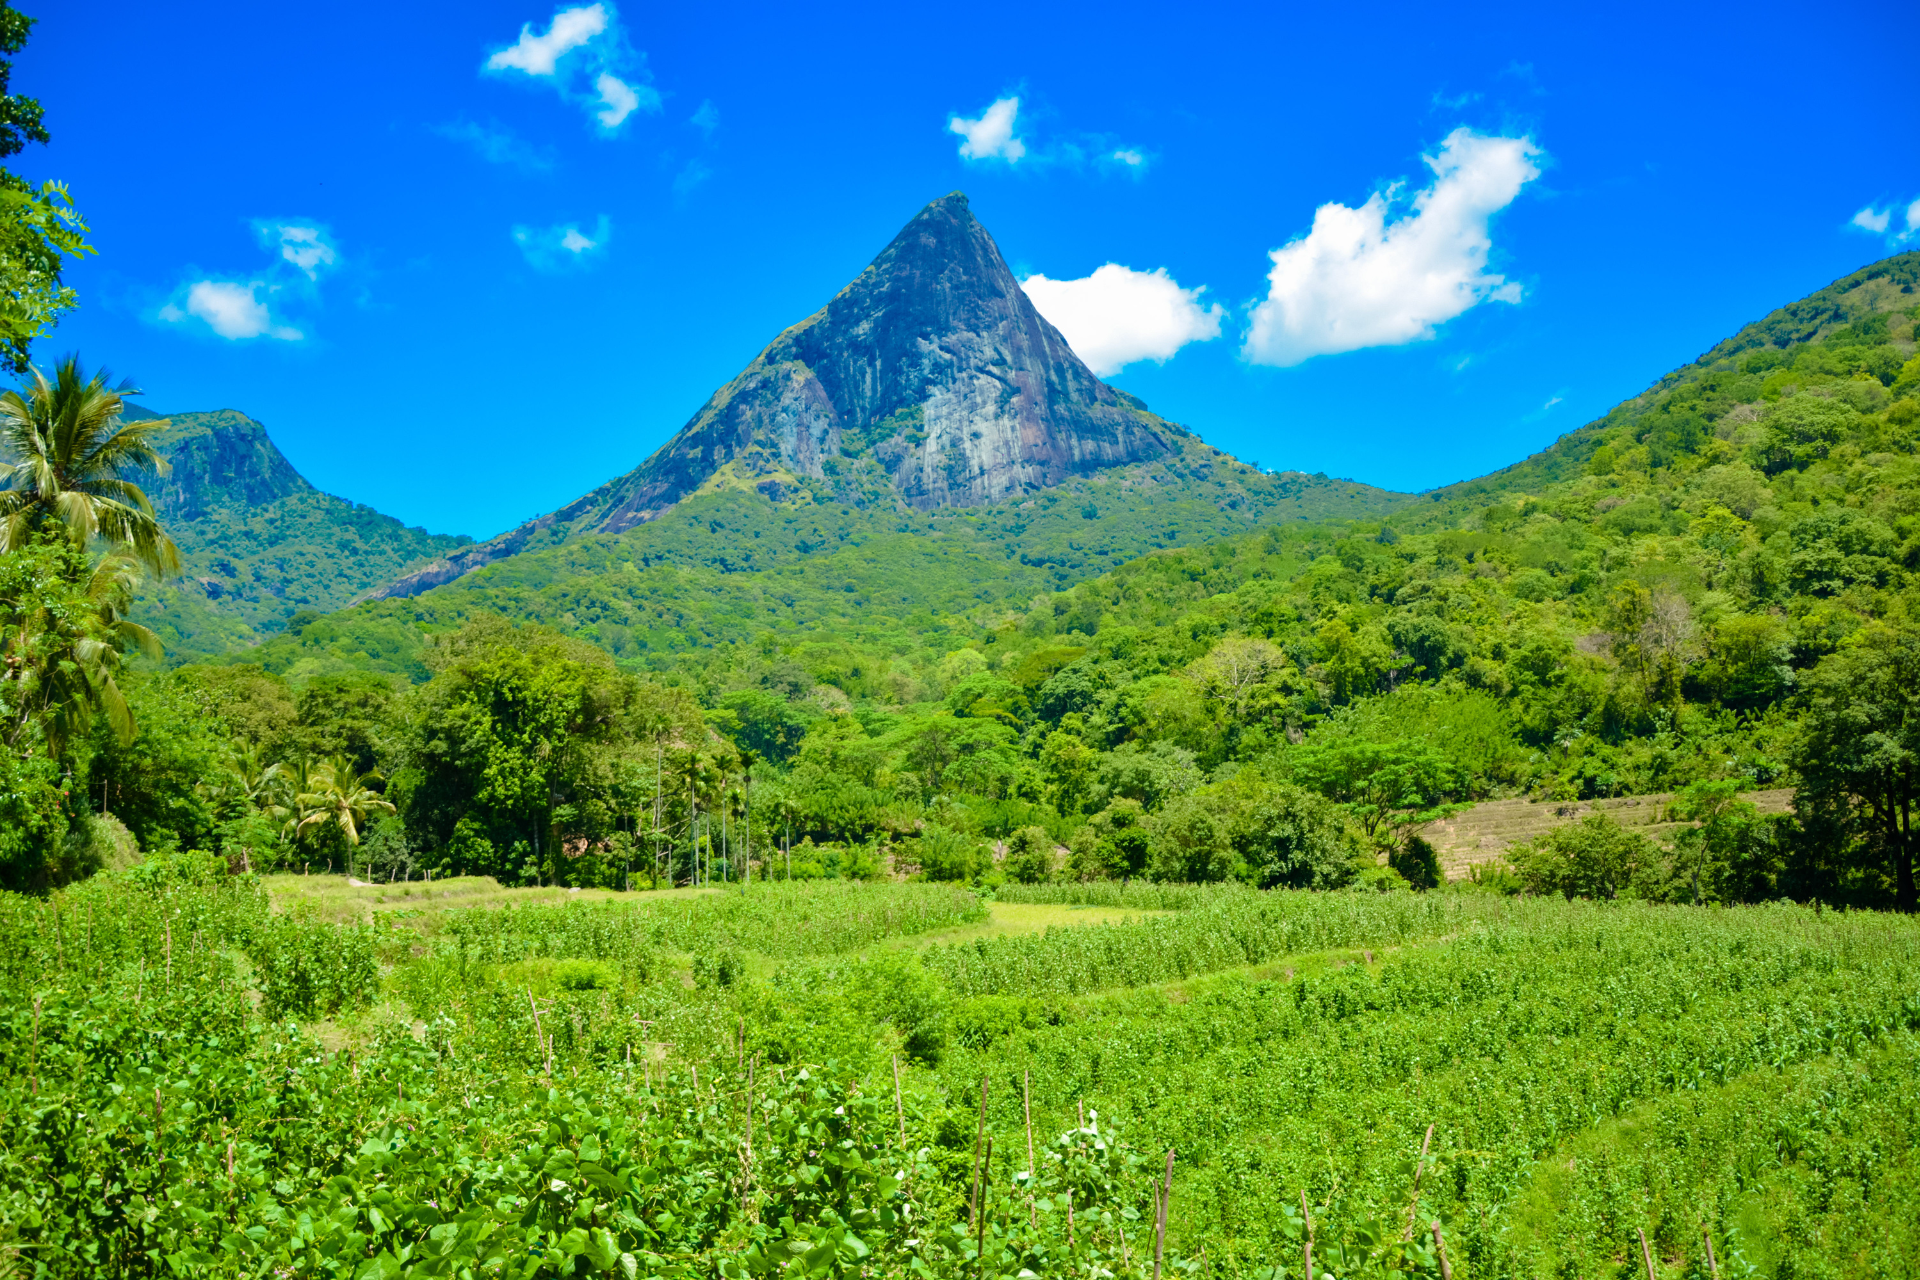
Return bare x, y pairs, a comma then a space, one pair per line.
340, 798
70, 449
249, 784
65, 659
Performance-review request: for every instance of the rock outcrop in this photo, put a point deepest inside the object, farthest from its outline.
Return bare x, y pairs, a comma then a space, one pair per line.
931, 367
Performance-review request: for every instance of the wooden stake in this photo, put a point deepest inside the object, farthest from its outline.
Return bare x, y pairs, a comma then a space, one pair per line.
1413, 1205
546, 1048
899, 1109
1160, 1227
979, 1137
1646, 1255
1026, 1105
1308, 1217
1713, 1263
1070, 1241
980, 1229
1440, 1247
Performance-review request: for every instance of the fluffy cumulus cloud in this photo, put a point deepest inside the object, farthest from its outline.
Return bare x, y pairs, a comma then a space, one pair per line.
1378, 276
1001, 133
240, 310
583, 54
1888, 221
564, 247
233, 310
1117, 315
991, 137
539, 55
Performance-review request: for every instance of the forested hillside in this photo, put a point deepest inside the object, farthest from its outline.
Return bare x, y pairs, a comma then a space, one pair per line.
733, 563
1282, 706
258, 543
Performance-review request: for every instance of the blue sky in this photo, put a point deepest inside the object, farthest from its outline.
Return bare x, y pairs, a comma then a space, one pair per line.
468, 261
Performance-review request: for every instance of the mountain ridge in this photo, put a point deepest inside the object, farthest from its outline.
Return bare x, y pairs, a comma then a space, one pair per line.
931, 367
258, 541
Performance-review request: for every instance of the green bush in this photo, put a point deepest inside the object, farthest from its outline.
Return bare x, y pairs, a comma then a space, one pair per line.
1030, 855
1593, 858
309, 969
946, 854
721, 967
585, 975
1418, 862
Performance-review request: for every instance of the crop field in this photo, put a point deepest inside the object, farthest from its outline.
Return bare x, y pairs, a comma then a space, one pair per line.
212, 1075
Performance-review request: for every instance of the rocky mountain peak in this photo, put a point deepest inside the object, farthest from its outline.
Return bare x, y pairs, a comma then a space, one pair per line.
930, 375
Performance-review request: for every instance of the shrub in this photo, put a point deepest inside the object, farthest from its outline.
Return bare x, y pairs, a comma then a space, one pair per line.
1030, 855
310, 969
721, 967
946, 854
585, 975
1418, 862
1592, 858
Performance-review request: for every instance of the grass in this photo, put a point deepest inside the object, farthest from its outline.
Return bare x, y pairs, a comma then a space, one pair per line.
333, 899
1010, 919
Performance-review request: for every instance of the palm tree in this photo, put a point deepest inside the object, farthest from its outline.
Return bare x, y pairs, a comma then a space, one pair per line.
341, 798
65, 659
70, 448
249, 784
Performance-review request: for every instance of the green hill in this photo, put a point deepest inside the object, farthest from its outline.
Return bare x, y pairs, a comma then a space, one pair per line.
734, 564
258, 543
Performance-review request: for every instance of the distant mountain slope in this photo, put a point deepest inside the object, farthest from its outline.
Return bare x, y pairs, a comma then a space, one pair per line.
1683, 410
731, 564
928, 382
258, 543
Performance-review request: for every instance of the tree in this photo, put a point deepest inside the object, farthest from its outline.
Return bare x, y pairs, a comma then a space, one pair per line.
1288, 837
1593, 858
1859, 749
70, 449
38, 229
66, 631
1030, 855
1189, 843
1392, 783
340, 799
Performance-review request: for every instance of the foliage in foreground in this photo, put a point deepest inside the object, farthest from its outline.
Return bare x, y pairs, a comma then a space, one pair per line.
542, 1096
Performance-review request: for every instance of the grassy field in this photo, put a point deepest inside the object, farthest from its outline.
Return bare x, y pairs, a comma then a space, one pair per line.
219, 1076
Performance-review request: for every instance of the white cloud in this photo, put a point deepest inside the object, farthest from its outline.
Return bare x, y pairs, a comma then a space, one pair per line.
1359, 280
617, 98
1880, 222
540, 55
1129, 157
1874, 220
706, 119
585, 57
232, 310
305, 247
562, 247
991, 136
1117, 315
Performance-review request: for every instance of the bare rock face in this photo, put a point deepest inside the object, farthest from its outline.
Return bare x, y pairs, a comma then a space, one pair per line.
932, 364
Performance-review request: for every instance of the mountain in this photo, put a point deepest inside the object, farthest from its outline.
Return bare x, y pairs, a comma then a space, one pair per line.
258, 543
928, 382
1841, 331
